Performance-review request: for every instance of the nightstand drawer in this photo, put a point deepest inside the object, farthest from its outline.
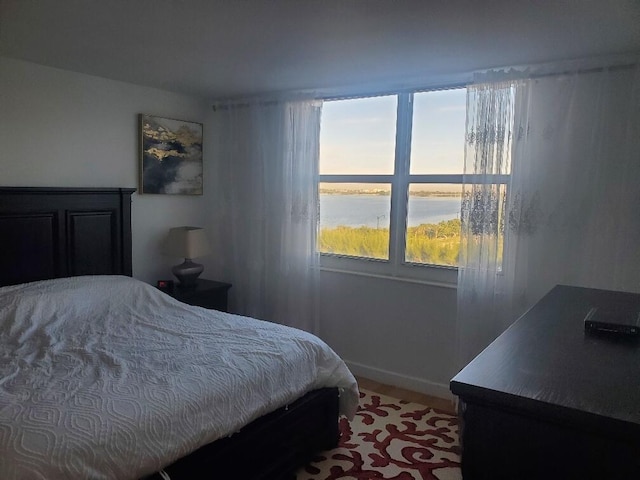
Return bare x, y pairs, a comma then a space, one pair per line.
205, 293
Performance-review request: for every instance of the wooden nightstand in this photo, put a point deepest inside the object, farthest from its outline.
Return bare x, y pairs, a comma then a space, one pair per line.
205, 293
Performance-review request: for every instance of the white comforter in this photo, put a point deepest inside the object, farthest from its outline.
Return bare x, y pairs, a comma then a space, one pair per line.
107, 377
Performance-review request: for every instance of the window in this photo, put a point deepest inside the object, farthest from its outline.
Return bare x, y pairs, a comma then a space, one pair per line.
391, 181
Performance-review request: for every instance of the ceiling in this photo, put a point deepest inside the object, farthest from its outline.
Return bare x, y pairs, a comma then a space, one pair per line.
227, 48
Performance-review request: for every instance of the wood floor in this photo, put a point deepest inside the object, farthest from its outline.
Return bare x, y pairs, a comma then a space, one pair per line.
408, 395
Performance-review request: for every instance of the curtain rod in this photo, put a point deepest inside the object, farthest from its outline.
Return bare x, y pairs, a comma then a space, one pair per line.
338, 96
612, 68
437, 82
570, 67
382, 92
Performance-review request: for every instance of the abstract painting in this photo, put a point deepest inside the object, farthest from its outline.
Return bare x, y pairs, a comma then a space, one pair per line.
171, 156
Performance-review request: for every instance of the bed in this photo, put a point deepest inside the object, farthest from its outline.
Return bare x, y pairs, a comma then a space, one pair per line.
103, 376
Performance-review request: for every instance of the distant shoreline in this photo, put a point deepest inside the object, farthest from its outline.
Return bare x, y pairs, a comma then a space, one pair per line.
381, 193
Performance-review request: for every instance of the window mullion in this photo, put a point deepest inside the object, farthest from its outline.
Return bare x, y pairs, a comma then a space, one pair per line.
400, 183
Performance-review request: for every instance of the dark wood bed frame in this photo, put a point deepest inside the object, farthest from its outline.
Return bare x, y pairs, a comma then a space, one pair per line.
60, 232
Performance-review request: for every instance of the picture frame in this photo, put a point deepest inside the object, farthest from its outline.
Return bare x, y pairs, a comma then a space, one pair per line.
170, 156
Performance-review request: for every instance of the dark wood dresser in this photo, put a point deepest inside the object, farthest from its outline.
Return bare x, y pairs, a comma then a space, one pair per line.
548, 401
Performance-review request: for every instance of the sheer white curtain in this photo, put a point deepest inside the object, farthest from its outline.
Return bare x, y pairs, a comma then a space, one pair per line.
481, 290
266, 218
572, 209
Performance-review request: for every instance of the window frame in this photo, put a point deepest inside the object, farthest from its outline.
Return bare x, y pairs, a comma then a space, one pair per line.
400, 180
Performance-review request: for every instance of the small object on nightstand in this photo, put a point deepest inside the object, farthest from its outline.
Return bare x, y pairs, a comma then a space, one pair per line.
204, 293
165, 285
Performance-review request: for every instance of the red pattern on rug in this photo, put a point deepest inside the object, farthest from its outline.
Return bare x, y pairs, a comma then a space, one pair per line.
391, 439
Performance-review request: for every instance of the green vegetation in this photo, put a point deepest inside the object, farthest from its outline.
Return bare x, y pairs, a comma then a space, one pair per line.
358, 242
437, 244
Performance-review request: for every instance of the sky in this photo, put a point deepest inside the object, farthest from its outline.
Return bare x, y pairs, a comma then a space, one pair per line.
357, 136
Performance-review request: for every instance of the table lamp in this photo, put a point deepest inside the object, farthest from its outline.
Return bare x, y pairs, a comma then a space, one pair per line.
187, 242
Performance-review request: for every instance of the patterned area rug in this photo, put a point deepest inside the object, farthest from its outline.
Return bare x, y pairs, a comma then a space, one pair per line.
391, 439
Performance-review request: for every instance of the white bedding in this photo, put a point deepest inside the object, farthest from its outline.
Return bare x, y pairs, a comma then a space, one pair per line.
107, 377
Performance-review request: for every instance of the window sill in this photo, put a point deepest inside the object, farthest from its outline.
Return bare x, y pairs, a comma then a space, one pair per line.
443, 277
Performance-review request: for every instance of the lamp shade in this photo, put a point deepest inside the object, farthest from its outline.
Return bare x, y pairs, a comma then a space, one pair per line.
186, 242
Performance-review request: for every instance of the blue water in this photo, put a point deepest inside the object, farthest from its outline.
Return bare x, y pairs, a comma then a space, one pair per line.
373, 210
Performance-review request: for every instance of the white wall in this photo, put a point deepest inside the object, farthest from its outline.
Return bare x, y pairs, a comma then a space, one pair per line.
396, 332
59, 128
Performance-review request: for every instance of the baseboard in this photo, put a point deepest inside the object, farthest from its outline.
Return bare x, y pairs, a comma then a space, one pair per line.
403, 381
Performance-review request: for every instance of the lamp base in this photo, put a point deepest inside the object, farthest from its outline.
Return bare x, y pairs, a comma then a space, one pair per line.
187, 272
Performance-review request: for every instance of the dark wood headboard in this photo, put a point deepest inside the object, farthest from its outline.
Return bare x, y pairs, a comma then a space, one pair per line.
62, 232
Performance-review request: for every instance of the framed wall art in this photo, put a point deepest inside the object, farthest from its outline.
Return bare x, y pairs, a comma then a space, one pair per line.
171, 156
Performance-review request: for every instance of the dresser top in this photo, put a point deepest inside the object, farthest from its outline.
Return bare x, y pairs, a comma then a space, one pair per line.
546, 364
